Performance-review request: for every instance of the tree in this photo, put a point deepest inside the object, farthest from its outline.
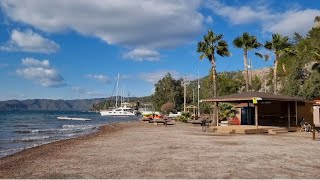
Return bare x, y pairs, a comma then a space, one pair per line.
256, 83
247, 43
278, 45
168, 89
230, 83
167, 107
210, 44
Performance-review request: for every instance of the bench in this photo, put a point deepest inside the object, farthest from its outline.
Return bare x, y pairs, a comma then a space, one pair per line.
163, 121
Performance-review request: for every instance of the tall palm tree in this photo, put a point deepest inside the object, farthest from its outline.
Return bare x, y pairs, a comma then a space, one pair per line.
279, 45
247, 43
210, 44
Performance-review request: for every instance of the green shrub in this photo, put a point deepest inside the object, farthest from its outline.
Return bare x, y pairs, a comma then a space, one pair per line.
185, 116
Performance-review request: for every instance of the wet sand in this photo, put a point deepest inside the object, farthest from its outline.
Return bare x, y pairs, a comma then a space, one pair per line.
143, 150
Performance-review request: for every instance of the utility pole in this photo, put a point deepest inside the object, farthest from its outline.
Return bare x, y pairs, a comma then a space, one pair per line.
185, 94
193, 96
198, 95
250, 74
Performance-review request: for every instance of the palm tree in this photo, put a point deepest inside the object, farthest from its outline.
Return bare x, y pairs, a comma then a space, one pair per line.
247, 43
279, 45
210, 44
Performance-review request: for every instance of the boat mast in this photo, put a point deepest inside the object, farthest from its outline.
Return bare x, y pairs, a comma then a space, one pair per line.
117, 90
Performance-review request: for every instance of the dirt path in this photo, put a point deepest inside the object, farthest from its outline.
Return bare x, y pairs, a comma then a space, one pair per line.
140, 150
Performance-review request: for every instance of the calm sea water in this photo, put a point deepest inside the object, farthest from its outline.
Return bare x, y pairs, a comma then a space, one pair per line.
25, 129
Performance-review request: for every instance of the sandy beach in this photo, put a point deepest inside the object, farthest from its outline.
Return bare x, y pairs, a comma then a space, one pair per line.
143, 150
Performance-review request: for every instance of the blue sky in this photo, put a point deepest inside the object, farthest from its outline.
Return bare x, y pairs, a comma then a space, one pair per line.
74, 49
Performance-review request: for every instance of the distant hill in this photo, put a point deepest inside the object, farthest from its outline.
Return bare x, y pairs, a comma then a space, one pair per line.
48, 104
67, 105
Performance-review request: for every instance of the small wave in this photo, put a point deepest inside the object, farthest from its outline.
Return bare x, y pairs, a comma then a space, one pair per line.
7, 152
21, 125
78, 127
30, 131
47, 131
31, 139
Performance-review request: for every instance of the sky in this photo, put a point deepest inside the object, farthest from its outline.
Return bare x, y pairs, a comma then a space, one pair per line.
57, 49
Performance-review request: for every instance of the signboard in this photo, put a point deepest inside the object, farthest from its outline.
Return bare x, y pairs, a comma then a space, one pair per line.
255, 100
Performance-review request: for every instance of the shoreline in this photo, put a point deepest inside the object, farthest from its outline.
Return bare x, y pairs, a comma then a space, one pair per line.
107, 128
138, 150
14, 160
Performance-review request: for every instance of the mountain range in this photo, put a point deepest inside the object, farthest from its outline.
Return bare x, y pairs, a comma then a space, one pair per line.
48, 104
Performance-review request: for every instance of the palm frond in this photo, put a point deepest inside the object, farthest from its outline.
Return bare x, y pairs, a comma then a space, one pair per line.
238, 42
268, 45
202, 56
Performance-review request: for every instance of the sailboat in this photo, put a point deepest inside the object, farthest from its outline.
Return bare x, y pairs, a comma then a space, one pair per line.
123, 110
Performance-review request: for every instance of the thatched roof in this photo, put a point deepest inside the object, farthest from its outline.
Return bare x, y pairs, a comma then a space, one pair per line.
248, 96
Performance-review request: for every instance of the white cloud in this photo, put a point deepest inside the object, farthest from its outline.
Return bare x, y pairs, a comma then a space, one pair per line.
29, 41
285, 23
209, 20
240, 15
83, 92
40, 72
154, 77
34, 62
141, 54
99, 77
133, 24
293, 21
79, 90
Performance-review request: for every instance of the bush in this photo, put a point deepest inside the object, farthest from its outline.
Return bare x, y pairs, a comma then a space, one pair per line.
185, 116
226, 111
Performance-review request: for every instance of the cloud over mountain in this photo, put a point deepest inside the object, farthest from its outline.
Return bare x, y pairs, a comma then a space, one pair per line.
99, 77
286, 22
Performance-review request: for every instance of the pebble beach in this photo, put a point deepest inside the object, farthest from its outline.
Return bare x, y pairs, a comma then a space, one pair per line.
140, 150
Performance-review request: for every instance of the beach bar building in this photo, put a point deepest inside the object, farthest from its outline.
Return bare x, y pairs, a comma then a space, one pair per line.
265, 109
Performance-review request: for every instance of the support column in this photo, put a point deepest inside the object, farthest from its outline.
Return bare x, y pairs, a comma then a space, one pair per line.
296, 107
217, 113
215, 107
256, 115
289, 125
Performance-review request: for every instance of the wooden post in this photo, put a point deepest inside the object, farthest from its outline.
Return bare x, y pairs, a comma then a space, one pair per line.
217, 113
256, 115
214, 116
296, 104
314, 131
289, 115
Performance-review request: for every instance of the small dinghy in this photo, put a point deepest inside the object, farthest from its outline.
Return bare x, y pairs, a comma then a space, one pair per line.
73, 118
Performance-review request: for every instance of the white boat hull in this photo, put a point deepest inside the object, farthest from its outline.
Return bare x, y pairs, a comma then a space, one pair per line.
73, 118
116, 113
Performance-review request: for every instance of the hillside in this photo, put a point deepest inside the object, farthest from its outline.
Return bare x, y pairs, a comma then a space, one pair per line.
67, 105
47, 104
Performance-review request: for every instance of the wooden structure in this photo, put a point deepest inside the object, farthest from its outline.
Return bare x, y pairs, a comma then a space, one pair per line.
316, 112
269, 109
192, 109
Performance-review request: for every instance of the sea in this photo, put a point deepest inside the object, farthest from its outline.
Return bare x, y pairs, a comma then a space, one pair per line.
20, 130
